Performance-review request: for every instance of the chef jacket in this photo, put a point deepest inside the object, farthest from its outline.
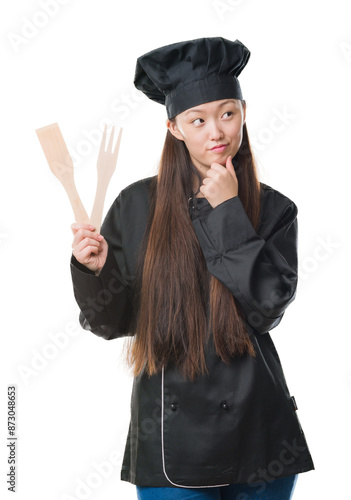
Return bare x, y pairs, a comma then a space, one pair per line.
238, 423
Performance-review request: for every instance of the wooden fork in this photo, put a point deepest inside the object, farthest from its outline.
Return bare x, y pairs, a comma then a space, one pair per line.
106, 165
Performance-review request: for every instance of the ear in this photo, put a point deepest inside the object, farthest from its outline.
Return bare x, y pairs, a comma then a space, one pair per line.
244, 112
172, 127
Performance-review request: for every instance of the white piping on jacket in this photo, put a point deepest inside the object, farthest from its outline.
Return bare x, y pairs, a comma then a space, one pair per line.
163, 450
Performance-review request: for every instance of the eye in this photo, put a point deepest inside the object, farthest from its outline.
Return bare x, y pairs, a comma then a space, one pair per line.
228, 113
197, 121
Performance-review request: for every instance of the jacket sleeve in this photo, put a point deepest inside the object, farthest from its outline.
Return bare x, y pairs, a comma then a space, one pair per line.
260, 272
105, 301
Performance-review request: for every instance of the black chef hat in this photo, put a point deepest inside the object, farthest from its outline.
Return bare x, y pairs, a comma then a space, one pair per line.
186, 74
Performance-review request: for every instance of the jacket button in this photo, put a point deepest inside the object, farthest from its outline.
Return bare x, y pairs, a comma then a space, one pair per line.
224, 405
173, 406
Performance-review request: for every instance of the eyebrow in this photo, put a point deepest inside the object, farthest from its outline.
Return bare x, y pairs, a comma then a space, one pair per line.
199, 110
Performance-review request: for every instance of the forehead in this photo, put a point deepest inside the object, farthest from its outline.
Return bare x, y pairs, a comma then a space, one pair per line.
210, 106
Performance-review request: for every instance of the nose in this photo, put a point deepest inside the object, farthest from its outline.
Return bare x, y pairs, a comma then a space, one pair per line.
216, 132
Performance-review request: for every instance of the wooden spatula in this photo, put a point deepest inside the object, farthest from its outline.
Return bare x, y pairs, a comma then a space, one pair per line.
61, 165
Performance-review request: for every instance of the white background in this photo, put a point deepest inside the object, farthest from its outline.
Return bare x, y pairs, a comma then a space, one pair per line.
77, 69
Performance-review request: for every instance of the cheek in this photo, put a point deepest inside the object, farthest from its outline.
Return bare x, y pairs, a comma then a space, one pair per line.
194, 144
237, 132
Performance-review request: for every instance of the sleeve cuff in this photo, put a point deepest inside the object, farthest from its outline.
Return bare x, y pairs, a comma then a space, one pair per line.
227, 226
81, 267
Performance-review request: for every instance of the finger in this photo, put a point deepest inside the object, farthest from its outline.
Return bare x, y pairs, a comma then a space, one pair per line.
232, 169
229, 164
216, 167
86, 243
77, 225
81, 234
84, 255
215, 175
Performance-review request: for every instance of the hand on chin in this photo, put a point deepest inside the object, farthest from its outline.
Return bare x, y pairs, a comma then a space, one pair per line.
220, 183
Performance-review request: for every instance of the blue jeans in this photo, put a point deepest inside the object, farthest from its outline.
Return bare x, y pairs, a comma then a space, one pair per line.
281, 488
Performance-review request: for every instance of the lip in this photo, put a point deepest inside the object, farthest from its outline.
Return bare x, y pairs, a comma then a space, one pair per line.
219, 148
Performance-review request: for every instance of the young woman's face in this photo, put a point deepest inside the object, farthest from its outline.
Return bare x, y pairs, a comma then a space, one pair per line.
211, 131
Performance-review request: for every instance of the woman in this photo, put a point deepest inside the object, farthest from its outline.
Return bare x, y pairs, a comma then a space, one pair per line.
194, 266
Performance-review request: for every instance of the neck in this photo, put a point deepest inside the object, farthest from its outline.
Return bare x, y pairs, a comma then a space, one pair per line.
196, 185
